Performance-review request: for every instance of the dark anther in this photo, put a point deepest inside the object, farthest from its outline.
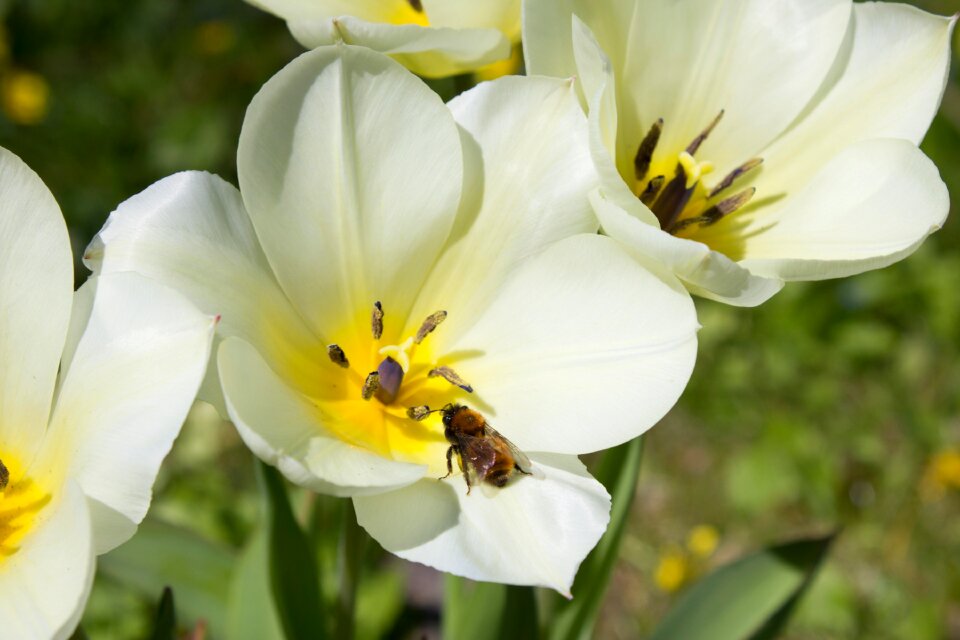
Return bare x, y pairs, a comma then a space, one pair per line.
370, 385
376, 320
450, 376
672, 200
731, 177
417, 6
337, 356
693, 146
653, 188
4, 476
717, 212
431, 323
641, 162
418, 413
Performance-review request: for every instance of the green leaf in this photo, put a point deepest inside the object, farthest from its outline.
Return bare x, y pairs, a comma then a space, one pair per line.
79, 634
162, 555
618, 472
750, 599
165, 624
251, 614
488, 611
293, 567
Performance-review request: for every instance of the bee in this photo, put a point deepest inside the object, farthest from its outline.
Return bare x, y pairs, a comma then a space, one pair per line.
483, 454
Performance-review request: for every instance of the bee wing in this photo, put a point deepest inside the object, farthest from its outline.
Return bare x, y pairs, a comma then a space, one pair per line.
519, 456
478, 456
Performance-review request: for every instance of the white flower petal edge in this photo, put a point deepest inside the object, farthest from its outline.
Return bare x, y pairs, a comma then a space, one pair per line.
442, 40
191, 232
45, 584
36, 280
349, 166
129, 386
432, 52
527, 171
537, 533
286, 430
582, 349
870, 206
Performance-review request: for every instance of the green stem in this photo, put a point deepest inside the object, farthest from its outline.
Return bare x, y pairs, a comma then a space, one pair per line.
352, 542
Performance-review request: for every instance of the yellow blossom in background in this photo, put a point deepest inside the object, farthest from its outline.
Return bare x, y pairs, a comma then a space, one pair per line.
508, 67
672, 572
214, 38
25, 97
942, 473
703, 540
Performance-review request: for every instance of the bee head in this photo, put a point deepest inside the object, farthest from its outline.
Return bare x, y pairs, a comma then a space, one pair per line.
448, 412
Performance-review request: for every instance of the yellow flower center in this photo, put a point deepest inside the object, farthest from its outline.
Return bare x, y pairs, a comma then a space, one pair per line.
382, 387
21, 500
673, 187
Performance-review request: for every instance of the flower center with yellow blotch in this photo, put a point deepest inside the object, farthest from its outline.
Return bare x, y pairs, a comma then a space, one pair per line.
21, 500
387, 386
675, 189
409, 12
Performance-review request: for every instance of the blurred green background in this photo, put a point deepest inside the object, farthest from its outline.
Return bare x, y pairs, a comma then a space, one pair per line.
834, 405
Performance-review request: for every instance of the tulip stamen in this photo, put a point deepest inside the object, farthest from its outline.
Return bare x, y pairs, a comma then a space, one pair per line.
450, 376
652, 189
735, 175
641, 162
432, 322
684, 201
418, 413
694, 145
337, 356
716, 212
376, 320
370, 386
416, 5
4, 476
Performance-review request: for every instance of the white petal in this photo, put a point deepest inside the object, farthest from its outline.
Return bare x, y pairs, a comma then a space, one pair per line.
598, 81
46, 583
870, 206
525, 141
502, 15
131, 382
36, 281
191, 232
287, 431
687, 61
886, 83
704, 272
534, 531
372, 10
581, 350
351, 169
547, 35
433, 52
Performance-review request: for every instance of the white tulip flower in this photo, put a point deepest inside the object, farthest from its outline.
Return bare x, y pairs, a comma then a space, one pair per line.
745, 143
434, 38
367, 208
79, 452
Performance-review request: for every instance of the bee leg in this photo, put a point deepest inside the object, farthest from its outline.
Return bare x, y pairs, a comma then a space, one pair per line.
466, 477
450, 452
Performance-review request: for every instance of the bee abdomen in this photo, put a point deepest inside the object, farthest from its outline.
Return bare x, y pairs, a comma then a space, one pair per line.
500, 474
